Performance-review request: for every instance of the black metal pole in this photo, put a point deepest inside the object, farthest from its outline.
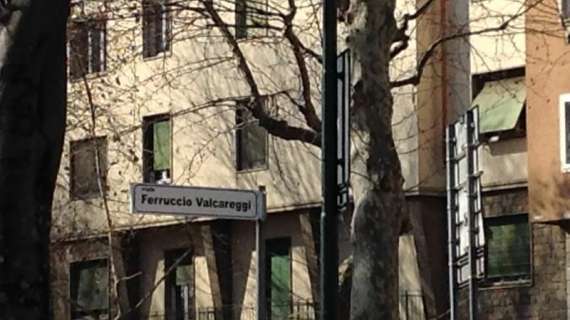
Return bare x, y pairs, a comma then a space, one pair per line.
261, 305
471, 180
451, 220
329, 216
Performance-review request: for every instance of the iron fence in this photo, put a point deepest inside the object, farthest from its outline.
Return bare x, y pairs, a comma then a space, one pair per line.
301, 310
411, 308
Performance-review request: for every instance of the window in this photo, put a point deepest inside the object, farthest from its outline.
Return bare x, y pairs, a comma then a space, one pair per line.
508, 247
251, 141
565, 132
179, 294
251, 15
500, 97
278, 278
157, 23
156, 149
564, 9
89, 289
87, 48
84, 179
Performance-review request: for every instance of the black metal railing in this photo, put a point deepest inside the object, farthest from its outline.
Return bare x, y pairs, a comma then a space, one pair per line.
300, 310
411, 308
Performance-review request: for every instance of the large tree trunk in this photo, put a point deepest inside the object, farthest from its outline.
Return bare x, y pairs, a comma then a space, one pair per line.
32, 123
379, 194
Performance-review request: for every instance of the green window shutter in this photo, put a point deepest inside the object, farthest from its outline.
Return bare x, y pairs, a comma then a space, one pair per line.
508, 247
280, 279
500, 104
161, 145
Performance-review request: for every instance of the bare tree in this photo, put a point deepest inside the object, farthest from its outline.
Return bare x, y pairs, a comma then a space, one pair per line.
32, 113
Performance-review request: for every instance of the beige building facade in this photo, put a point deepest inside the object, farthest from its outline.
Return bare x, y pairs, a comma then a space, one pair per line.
160, 92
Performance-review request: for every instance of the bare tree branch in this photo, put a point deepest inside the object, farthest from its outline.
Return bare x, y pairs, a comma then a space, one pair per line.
415, 79
308, 110
278, 128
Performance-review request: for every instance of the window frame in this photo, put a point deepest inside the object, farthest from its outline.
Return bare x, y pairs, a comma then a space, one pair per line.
74, 269
148, 156
244, 14
103, 157
241, 108
564, 6
170, 258
89, 27
564, 165
154, 49
508, 280
277, 244
479, 80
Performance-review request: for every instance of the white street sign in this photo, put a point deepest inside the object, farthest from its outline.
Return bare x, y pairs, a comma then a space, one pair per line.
197, 201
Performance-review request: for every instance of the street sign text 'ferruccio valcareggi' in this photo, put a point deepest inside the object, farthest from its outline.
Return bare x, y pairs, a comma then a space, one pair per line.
195, 201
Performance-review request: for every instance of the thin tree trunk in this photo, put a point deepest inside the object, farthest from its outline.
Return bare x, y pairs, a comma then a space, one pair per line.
380, 199
32, 123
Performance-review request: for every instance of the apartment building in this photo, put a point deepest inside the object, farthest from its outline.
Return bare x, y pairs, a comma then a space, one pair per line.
495, 70
518, 83
157, 95
162, 92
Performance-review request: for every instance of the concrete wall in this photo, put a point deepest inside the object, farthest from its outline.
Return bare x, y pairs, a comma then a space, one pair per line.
504, 163
493, 50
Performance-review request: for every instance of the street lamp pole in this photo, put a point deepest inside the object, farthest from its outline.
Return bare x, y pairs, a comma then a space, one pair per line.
329, 215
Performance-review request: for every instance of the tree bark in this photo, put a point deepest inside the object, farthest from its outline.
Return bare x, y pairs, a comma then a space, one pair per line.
379, 194
32, 124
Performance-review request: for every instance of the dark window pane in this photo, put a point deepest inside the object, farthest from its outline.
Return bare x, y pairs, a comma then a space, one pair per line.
156, 27
251, 141
89, 282
241, 19
167, 28
179, 298
251, 14
97, 47
87, 48
79, 51
508, 247
84, 178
